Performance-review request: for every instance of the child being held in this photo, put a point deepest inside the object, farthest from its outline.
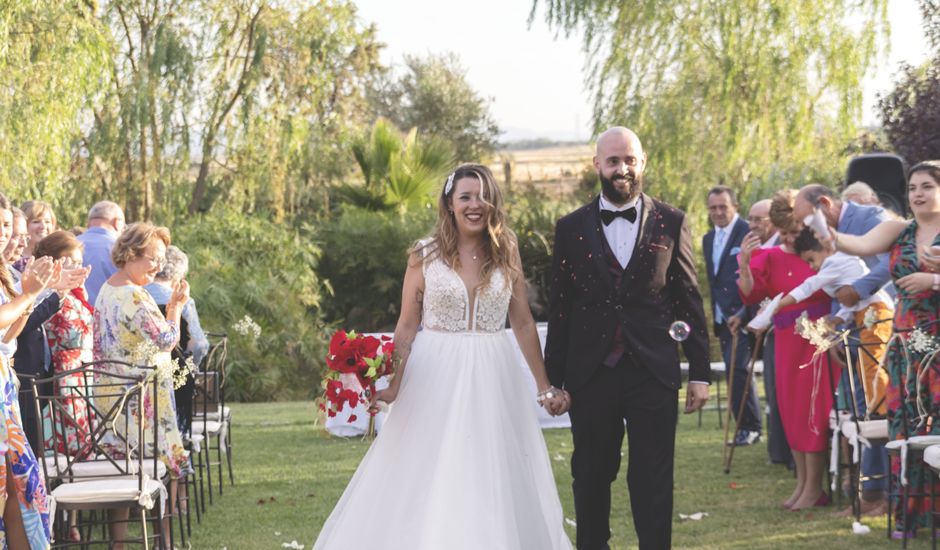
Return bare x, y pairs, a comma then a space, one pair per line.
835, 270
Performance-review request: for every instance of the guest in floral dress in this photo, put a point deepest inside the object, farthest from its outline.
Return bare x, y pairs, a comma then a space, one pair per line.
128, 326
25, 522
914, 246
69, 336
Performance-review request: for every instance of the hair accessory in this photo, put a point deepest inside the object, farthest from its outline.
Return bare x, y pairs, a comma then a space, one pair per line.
450, 183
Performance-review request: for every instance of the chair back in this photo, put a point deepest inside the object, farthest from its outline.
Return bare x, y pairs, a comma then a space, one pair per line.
209, 394
94, 423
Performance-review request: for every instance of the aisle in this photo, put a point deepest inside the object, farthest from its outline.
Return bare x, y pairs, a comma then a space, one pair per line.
290, 474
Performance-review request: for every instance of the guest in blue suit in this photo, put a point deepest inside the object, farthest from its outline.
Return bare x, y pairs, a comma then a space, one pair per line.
855, 219
721, 246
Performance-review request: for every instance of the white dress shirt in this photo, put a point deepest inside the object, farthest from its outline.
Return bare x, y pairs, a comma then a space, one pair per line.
722, 234
837, 271
621, 234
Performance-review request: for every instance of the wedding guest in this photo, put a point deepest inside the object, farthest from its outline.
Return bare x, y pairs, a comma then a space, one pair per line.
17, 243
193, 342
860, 192
105, 223
128, 323
804, 395
758, 221
40, 221
32, 355
855, 219
914, 388
721, 246
834, 270
69, 337
26, 522
778, 450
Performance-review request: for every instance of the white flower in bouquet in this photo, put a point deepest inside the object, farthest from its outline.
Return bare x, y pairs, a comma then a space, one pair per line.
817, 332
147, 354
921, 342
248, 327
871, 317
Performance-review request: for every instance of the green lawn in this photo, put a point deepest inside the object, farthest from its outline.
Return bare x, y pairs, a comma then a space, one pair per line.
289, 473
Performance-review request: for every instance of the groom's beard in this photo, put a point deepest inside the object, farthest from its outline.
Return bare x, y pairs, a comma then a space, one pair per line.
634, 184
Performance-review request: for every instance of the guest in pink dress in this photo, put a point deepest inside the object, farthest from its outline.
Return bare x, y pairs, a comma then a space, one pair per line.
804, 383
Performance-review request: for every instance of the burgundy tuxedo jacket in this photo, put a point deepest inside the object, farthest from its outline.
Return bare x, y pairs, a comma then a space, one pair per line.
659, 286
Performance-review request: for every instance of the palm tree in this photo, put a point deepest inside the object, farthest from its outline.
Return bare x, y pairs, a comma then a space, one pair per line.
398, 171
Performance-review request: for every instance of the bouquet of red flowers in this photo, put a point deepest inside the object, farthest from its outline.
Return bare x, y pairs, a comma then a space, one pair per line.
355, 362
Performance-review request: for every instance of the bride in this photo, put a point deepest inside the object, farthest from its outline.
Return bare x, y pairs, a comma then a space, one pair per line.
460, 462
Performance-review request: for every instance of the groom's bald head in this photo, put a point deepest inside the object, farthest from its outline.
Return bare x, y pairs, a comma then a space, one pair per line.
620, 160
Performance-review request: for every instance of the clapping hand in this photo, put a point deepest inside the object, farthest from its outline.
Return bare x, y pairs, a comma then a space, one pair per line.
71, 276
750, 243
39, 274
180, 293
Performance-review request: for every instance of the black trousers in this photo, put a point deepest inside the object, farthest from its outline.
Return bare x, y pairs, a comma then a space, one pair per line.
630, 393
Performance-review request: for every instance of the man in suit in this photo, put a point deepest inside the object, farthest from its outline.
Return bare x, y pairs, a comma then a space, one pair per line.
721, 246
855, 219
622, 273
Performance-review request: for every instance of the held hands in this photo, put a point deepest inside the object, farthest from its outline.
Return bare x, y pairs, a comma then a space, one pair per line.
557, 404
39, 274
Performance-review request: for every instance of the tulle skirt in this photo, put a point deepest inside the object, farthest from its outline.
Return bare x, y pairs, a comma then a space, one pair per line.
460, 462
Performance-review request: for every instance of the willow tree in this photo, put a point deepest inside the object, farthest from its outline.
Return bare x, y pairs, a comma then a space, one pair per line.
287, 134
751, 93
52, 58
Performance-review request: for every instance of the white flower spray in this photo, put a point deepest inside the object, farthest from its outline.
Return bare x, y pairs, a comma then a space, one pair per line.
147, 354
248, 327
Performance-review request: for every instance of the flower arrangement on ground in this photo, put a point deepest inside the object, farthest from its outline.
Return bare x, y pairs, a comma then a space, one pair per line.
355, 363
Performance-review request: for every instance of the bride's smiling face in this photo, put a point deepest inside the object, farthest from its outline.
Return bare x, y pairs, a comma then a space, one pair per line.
469, 208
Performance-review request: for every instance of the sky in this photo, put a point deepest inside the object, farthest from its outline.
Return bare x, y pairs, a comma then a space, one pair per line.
534, 78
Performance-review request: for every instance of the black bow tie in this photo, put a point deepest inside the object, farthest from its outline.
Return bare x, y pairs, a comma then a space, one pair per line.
608, 216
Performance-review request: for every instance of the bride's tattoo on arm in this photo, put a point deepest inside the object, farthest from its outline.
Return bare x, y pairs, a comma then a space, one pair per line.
400, 355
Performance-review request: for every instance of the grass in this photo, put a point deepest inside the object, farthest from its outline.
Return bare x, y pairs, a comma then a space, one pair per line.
289, 474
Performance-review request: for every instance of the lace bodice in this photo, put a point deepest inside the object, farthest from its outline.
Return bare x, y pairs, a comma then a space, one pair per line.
447, 306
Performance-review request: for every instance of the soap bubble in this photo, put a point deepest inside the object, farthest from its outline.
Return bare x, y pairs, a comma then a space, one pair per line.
679, 331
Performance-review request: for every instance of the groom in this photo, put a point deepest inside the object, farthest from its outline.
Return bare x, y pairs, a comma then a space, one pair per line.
622, 273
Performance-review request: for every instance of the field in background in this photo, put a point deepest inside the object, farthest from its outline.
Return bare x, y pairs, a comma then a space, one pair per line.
556, 170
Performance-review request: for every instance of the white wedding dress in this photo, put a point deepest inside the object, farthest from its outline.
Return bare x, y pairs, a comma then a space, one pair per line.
460, 463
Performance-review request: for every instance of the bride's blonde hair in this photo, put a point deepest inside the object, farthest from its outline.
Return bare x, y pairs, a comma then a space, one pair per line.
499, 242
